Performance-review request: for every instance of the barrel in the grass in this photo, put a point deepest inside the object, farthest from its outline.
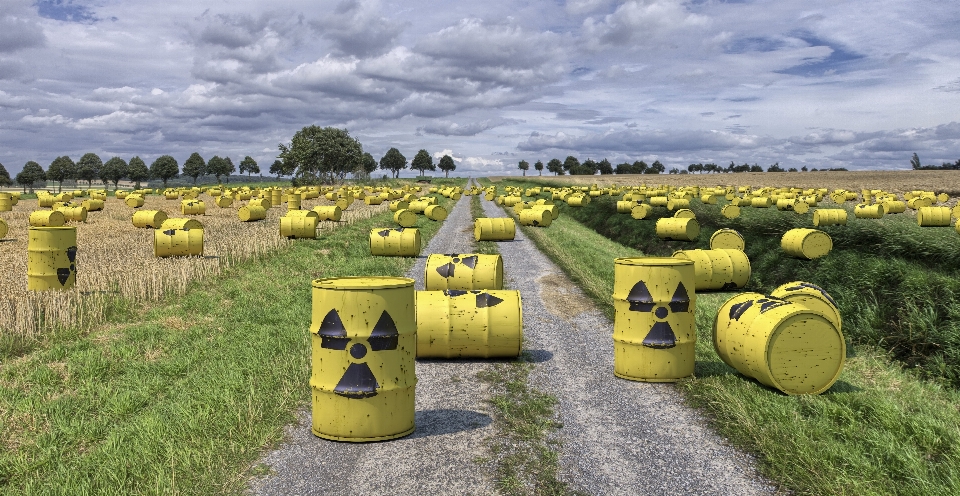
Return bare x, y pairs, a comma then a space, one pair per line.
405, 218
134, 201
193, 207
399, 205
328, 212
641, 211
299, 224
761, 202
782, 344
726, 239
708, 199
364, 343
654, 332
678, 203
864, 211
730, 211
469, 324
894, 207
829, 217
494, 229
720, 269
578, 200
806, 243
149, 218
933, 216
463, 271
535, 217
47, 218
74, 214
51, 258
435, 212
658, 201
813, 297
171, 195
251, 213
553, 209
684, 213
679, 229
509, 201
418, 206
178, 237
398, 242
625, 207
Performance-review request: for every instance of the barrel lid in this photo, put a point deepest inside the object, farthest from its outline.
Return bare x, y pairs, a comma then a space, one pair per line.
652, 261
337, 283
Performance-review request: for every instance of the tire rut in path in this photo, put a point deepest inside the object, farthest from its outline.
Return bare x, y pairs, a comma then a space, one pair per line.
619, 437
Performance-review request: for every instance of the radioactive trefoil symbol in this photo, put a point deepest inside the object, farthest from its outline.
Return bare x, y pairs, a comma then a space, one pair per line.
64, 273
386, 232
448, 269
358, 381
484, 299
813, 287
766, 303
661, 335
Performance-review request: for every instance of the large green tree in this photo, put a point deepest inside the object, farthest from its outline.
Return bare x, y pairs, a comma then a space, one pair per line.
277, 168
570, 163
194, 167
216, 166
393, 161
655, 168
113, 171
137, 171
539, 167
555, 166
423, 162
228, 168
249, 165
369, 165
605, 167
324, 154
524, 166
164, 168
88, 168
61, 169
4, 177
31, 173
447, 165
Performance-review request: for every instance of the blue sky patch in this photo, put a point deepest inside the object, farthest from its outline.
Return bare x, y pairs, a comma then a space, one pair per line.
65, 10
839, 61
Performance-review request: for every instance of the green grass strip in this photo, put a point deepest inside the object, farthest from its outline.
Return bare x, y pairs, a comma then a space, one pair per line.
183, 398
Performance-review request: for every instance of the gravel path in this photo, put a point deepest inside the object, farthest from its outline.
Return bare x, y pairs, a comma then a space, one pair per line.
451, 422
619, 437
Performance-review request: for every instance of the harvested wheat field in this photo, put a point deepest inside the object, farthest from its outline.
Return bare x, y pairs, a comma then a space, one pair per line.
114, 258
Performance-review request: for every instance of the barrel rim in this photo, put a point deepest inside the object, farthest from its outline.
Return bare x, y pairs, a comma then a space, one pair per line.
358, 282
651, 261
50, 228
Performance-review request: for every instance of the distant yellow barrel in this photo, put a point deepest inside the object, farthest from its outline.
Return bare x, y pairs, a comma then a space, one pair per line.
681, 213
511, 200
405, 218
682, 229
658, 201
399, 205
494, 229
47, 218
806, 243
864, 211
919, 202
92, 205
435, 212
260, 202
708, 199
625, 207
193, 207
373, 200
224, 201
678, 203
299, 226
726, 239
6, 202
537, 218
51, 258
654, 332
811, 296
786, 203
465, 271
720, 269
178, 237
171, 195
133, 201
3, 228
829, 217
399, 242
933, 216
364, 340
640, 211
578, 200
149, 218
553, 209
293, 201
276, 197
469, 324
760, 202
74, 214
783, 344
894, 207
328, 212
419, 206
251, 213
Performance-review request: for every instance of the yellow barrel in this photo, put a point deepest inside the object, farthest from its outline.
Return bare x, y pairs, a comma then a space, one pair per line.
625, 207
553, 209
730, 211
829, 217
193, 207
787, 203
919, 202
47, 218
224, 201
6, 202
783, 344
894, 207
469, 324
328, 212
92, 205
398, 242
933, 216
51, 258
178, 237
801, 207
654, 332
299, 226
373, 200
171, 195
718, 269
806, 243
276, 197
435, 212
640, 211
364, 342
260, 202
578, 200
250, 213
405, 218
149, 218
293, 201
510, 201
489, 196
658, 201
419, 206
682, 229
496, 229
74, 214
678, 203
3, 228
726, 239
344, 203
811, 296
538, 218
684, 213
864, 211
463, 271
761, 202
133, 201
956, 210
399, 205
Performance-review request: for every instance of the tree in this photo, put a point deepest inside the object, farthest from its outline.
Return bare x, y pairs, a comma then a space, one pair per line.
220, 167
915, 162
605, 167
393, 161
249, 165
570, 163
137, 171
447, 165
4, 177
524, 166
655, 168
539, 167
31, 173
555, 166
775, 168
756, 168
321, 154
113, 171
423, 162
804, 168
61, 169
194, 167
88, 168
792, 169
588, 168
228, 168
164, 168
277, 168
368, 164
674, 170
695, 168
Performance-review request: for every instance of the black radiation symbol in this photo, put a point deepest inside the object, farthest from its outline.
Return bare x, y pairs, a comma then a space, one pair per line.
766, 304
484, 300
64, 273
813, 287
661, 335
386, 232
447, 269
358, 381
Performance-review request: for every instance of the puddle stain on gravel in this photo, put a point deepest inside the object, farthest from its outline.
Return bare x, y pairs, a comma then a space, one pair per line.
560, 298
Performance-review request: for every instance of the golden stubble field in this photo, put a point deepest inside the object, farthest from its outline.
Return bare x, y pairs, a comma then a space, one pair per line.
114, 258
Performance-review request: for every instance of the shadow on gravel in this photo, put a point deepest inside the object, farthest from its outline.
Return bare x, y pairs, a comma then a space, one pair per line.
446, 421
538, 356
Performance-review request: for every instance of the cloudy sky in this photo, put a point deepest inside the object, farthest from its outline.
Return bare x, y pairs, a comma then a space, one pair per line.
856, 84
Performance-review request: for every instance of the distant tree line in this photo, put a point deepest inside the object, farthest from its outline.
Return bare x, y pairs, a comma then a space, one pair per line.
571, 165
915, 164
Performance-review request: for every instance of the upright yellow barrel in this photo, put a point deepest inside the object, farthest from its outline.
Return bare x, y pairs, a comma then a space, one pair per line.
726, 239
148, 218
51, 258
463, 271
6, 202
933, 216
276, 197
251, 213
496, 229
293, 201
364, 358
469, 324
780, 343
654, 333
680, 229
47, 218
178, 237
718, 269
806, 243
399, 242
405, 218
3, 228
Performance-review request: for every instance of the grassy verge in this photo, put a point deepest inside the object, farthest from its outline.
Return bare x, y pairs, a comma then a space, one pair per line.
181, 397
524, 451
880, 429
